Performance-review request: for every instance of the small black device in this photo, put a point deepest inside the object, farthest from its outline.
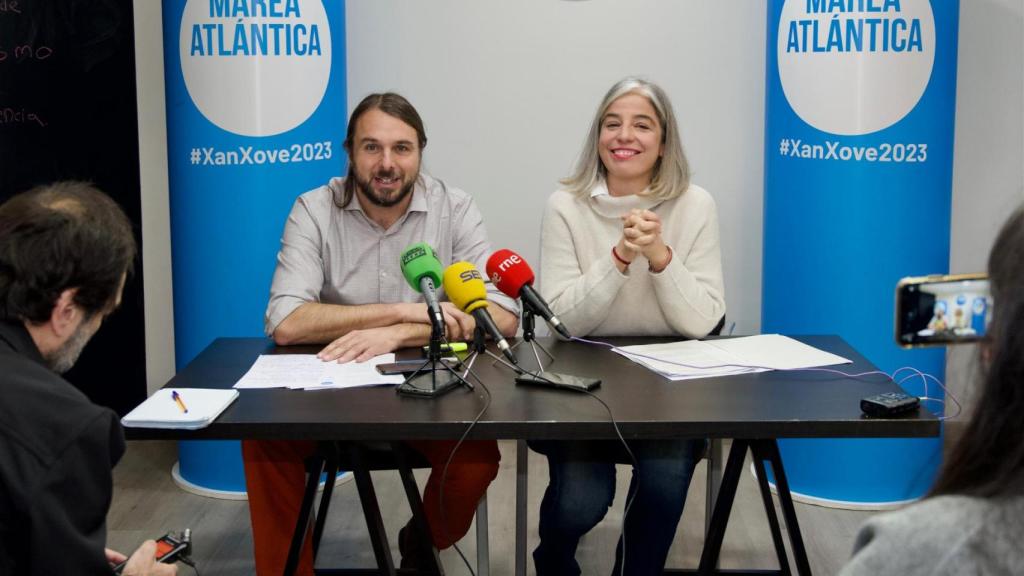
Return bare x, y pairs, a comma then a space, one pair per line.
169, 548
556, 380
889, 404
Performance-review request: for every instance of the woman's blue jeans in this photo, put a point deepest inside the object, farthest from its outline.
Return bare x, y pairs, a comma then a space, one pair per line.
582, 487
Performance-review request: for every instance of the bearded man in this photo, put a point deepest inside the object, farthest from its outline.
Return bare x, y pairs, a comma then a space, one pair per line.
338, 282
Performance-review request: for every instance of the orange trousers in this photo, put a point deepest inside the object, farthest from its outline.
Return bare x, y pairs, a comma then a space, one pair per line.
275, 476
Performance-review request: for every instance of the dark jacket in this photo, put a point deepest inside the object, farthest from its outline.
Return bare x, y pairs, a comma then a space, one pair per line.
56, 452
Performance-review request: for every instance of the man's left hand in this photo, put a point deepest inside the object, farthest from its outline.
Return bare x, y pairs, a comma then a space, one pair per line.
361, 345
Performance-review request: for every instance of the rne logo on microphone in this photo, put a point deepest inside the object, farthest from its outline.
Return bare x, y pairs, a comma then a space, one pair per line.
509, 262
504, 265
470, 275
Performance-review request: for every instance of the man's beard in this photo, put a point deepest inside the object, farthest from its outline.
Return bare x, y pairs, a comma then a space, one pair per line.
62, 359
380, 200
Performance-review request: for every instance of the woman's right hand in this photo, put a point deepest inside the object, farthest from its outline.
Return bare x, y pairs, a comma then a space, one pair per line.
625, 250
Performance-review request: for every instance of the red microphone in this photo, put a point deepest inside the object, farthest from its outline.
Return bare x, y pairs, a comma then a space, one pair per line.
513, 276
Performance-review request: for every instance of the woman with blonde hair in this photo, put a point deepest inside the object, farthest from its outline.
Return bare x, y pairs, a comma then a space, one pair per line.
629, 247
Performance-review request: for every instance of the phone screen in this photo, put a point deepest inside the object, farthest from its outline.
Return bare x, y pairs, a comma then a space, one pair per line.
163, 547
942, 310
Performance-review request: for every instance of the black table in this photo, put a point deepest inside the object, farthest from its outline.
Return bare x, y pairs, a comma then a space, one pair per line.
752, 409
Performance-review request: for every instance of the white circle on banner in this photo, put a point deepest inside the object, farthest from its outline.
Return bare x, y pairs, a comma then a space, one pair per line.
252, 73
854, 90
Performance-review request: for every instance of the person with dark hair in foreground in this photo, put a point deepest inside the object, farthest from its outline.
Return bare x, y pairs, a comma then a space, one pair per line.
338, 282
65, 251
972, 522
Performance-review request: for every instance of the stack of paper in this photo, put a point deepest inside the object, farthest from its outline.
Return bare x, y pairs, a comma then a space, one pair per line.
307, 372
196, 409
709, 358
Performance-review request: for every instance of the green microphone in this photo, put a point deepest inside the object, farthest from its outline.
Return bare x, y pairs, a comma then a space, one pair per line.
422, 270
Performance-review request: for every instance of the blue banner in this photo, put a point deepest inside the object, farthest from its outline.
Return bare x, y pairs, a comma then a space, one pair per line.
859, 116
256, 115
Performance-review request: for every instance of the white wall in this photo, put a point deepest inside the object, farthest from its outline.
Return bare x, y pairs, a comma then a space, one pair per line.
156, 227
988, 164
508, 89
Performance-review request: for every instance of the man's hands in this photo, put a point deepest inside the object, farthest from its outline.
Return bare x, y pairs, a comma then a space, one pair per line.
458, 324
641, 235
362, 345
142, 562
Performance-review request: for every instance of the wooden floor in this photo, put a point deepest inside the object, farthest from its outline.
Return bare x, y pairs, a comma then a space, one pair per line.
147, 504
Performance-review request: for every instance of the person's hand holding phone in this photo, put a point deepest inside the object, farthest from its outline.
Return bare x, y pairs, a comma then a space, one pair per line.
143, 562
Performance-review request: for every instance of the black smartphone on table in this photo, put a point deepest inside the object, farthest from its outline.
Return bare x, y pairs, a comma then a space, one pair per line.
410, 366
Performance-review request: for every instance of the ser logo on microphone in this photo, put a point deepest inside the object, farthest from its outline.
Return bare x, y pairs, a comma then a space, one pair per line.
469, 275
512, 260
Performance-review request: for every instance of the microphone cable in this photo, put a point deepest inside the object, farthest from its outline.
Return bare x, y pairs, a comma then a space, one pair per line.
187, 560
451, 455
631, 497
476, 419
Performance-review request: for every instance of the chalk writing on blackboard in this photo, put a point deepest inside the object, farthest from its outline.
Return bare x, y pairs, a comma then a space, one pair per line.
9, 7
25, 52
20, 116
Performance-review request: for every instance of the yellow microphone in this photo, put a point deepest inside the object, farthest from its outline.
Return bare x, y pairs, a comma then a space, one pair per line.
465, 288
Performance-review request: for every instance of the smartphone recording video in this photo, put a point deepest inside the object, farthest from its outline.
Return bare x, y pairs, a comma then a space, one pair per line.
942, 310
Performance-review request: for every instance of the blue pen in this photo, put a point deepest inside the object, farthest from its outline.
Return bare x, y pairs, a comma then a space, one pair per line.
177, 398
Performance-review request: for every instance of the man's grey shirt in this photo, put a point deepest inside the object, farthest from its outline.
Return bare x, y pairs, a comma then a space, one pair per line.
338, 255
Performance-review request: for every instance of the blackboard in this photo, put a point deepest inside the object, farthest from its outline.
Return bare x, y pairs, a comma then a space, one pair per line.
68, 111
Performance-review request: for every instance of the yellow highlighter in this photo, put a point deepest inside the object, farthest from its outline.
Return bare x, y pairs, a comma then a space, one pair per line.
453, 347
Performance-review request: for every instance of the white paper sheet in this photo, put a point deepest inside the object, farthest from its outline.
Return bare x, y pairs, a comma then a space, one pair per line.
777, 352
306, 371
707, 359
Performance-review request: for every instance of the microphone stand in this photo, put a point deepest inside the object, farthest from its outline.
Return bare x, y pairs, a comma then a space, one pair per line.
435, 376
542, 377
480, 347
529, 322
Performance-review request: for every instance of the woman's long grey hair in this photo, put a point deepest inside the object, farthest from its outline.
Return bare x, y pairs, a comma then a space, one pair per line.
671, 172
